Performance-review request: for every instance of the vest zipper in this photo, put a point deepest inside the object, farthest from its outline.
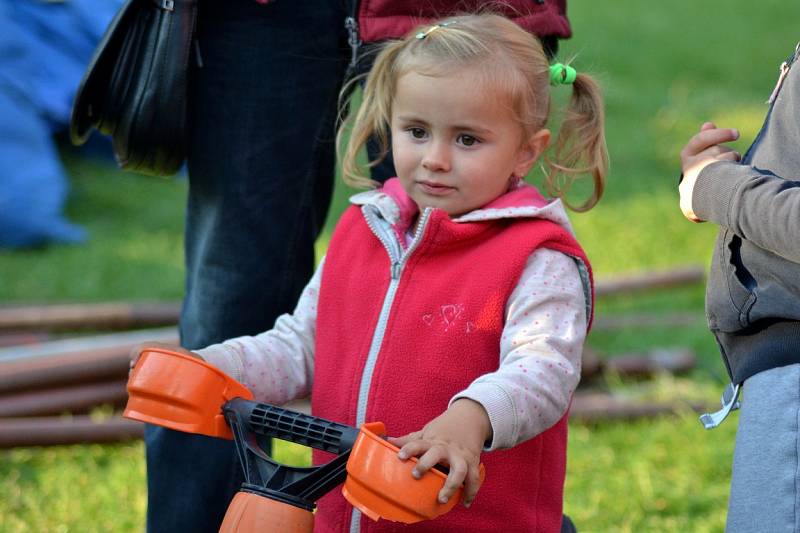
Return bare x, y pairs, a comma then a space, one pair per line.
398, 260
386, 238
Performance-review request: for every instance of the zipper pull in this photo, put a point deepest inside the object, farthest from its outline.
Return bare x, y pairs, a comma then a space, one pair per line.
784, 71
396, 270
730, 402
351, 25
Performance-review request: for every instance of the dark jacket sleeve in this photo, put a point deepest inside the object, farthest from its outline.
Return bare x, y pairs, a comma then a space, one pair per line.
759, 207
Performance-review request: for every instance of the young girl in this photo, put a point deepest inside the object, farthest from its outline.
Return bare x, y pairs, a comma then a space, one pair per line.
454, 301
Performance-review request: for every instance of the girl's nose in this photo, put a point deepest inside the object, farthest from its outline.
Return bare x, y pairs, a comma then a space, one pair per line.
436, 158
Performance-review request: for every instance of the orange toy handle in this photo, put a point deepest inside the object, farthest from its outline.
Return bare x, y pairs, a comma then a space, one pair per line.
381, 486
177, 391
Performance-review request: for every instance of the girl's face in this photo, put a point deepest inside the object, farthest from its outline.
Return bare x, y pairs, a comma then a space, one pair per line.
456, 145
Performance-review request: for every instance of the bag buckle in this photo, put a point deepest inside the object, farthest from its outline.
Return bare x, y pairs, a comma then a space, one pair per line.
730, 402
166, 5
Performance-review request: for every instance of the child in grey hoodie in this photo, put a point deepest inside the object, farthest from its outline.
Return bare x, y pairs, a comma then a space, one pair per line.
753, 298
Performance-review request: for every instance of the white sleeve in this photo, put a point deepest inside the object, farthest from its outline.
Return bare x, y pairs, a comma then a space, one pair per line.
277, 365
540, 351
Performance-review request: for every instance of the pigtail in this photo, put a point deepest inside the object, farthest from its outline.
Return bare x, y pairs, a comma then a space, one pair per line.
372, 119
581, 145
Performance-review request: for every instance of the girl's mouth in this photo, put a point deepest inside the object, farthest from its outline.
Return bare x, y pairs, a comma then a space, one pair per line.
435, 189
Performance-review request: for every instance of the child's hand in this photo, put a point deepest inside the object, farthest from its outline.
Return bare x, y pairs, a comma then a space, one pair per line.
136, 351
455, 438
702, 150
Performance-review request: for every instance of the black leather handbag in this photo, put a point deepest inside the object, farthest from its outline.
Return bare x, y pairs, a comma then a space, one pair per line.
135, 88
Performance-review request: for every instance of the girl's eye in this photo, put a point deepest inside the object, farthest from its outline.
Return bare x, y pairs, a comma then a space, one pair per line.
417, 133
467, 140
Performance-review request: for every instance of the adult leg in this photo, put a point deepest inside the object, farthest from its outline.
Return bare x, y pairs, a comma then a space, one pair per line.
260, 175
764, 492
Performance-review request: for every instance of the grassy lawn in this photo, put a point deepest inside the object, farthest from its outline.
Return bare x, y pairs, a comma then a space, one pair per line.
665, 67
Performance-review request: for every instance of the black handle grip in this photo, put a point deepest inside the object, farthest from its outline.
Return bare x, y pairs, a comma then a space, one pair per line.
270, 421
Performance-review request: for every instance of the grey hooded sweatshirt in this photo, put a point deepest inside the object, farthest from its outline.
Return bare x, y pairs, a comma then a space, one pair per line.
753, 295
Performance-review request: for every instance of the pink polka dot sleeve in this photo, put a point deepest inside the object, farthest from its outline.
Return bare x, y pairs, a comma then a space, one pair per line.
277, 365
540, 351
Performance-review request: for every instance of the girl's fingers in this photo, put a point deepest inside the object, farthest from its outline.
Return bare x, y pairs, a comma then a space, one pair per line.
412, 448
136, 353
707, 126
434, 455
405, 439
471, 485
458, 472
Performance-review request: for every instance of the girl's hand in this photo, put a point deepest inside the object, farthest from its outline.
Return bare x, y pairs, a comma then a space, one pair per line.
455, 438
702, 150
136, 351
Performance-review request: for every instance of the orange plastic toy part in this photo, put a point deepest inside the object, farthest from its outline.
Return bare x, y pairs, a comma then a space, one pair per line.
251, 513
380, 485
180, 392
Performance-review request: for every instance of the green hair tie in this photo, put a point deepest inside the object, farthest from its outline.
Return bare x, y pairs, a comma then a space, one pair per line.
561, 74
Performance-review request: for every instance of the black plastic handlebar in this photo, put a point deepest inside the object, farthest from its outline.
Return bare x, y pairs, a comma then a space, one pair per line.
314, 432
297, 486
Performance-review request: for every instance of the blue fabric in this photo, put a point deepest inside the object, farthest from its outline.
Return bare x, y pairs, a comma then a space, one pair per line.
44, 50
765, 485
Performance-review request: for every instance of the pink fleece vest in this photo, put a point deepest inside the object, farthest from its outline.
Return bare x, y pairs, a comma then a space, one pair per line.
443, 331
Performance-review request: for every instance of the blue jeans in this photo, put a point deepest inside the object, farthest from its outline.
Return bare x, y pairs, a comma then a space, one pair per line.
261, 165
765, 493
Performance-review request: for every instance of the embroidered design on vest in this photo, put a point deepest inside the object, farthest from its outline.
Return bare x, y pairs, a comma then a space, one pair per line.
449, 315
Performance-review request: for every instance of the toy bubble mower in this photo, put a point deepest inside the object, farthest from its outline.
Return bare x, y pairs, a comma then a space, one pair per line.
180, 392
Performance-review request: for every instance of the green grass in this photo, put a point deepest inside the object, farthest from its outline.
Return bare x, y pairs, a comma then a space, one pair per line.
135, 246
654, 475
665, 67
73, 488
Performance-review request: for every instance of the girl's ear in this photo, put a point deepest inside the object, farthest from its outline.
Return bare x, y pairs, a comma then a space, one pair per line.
530, 151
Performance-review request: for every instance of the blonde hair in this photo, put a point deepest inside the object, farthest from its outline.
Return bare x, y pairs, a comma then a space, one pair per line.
509, 59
